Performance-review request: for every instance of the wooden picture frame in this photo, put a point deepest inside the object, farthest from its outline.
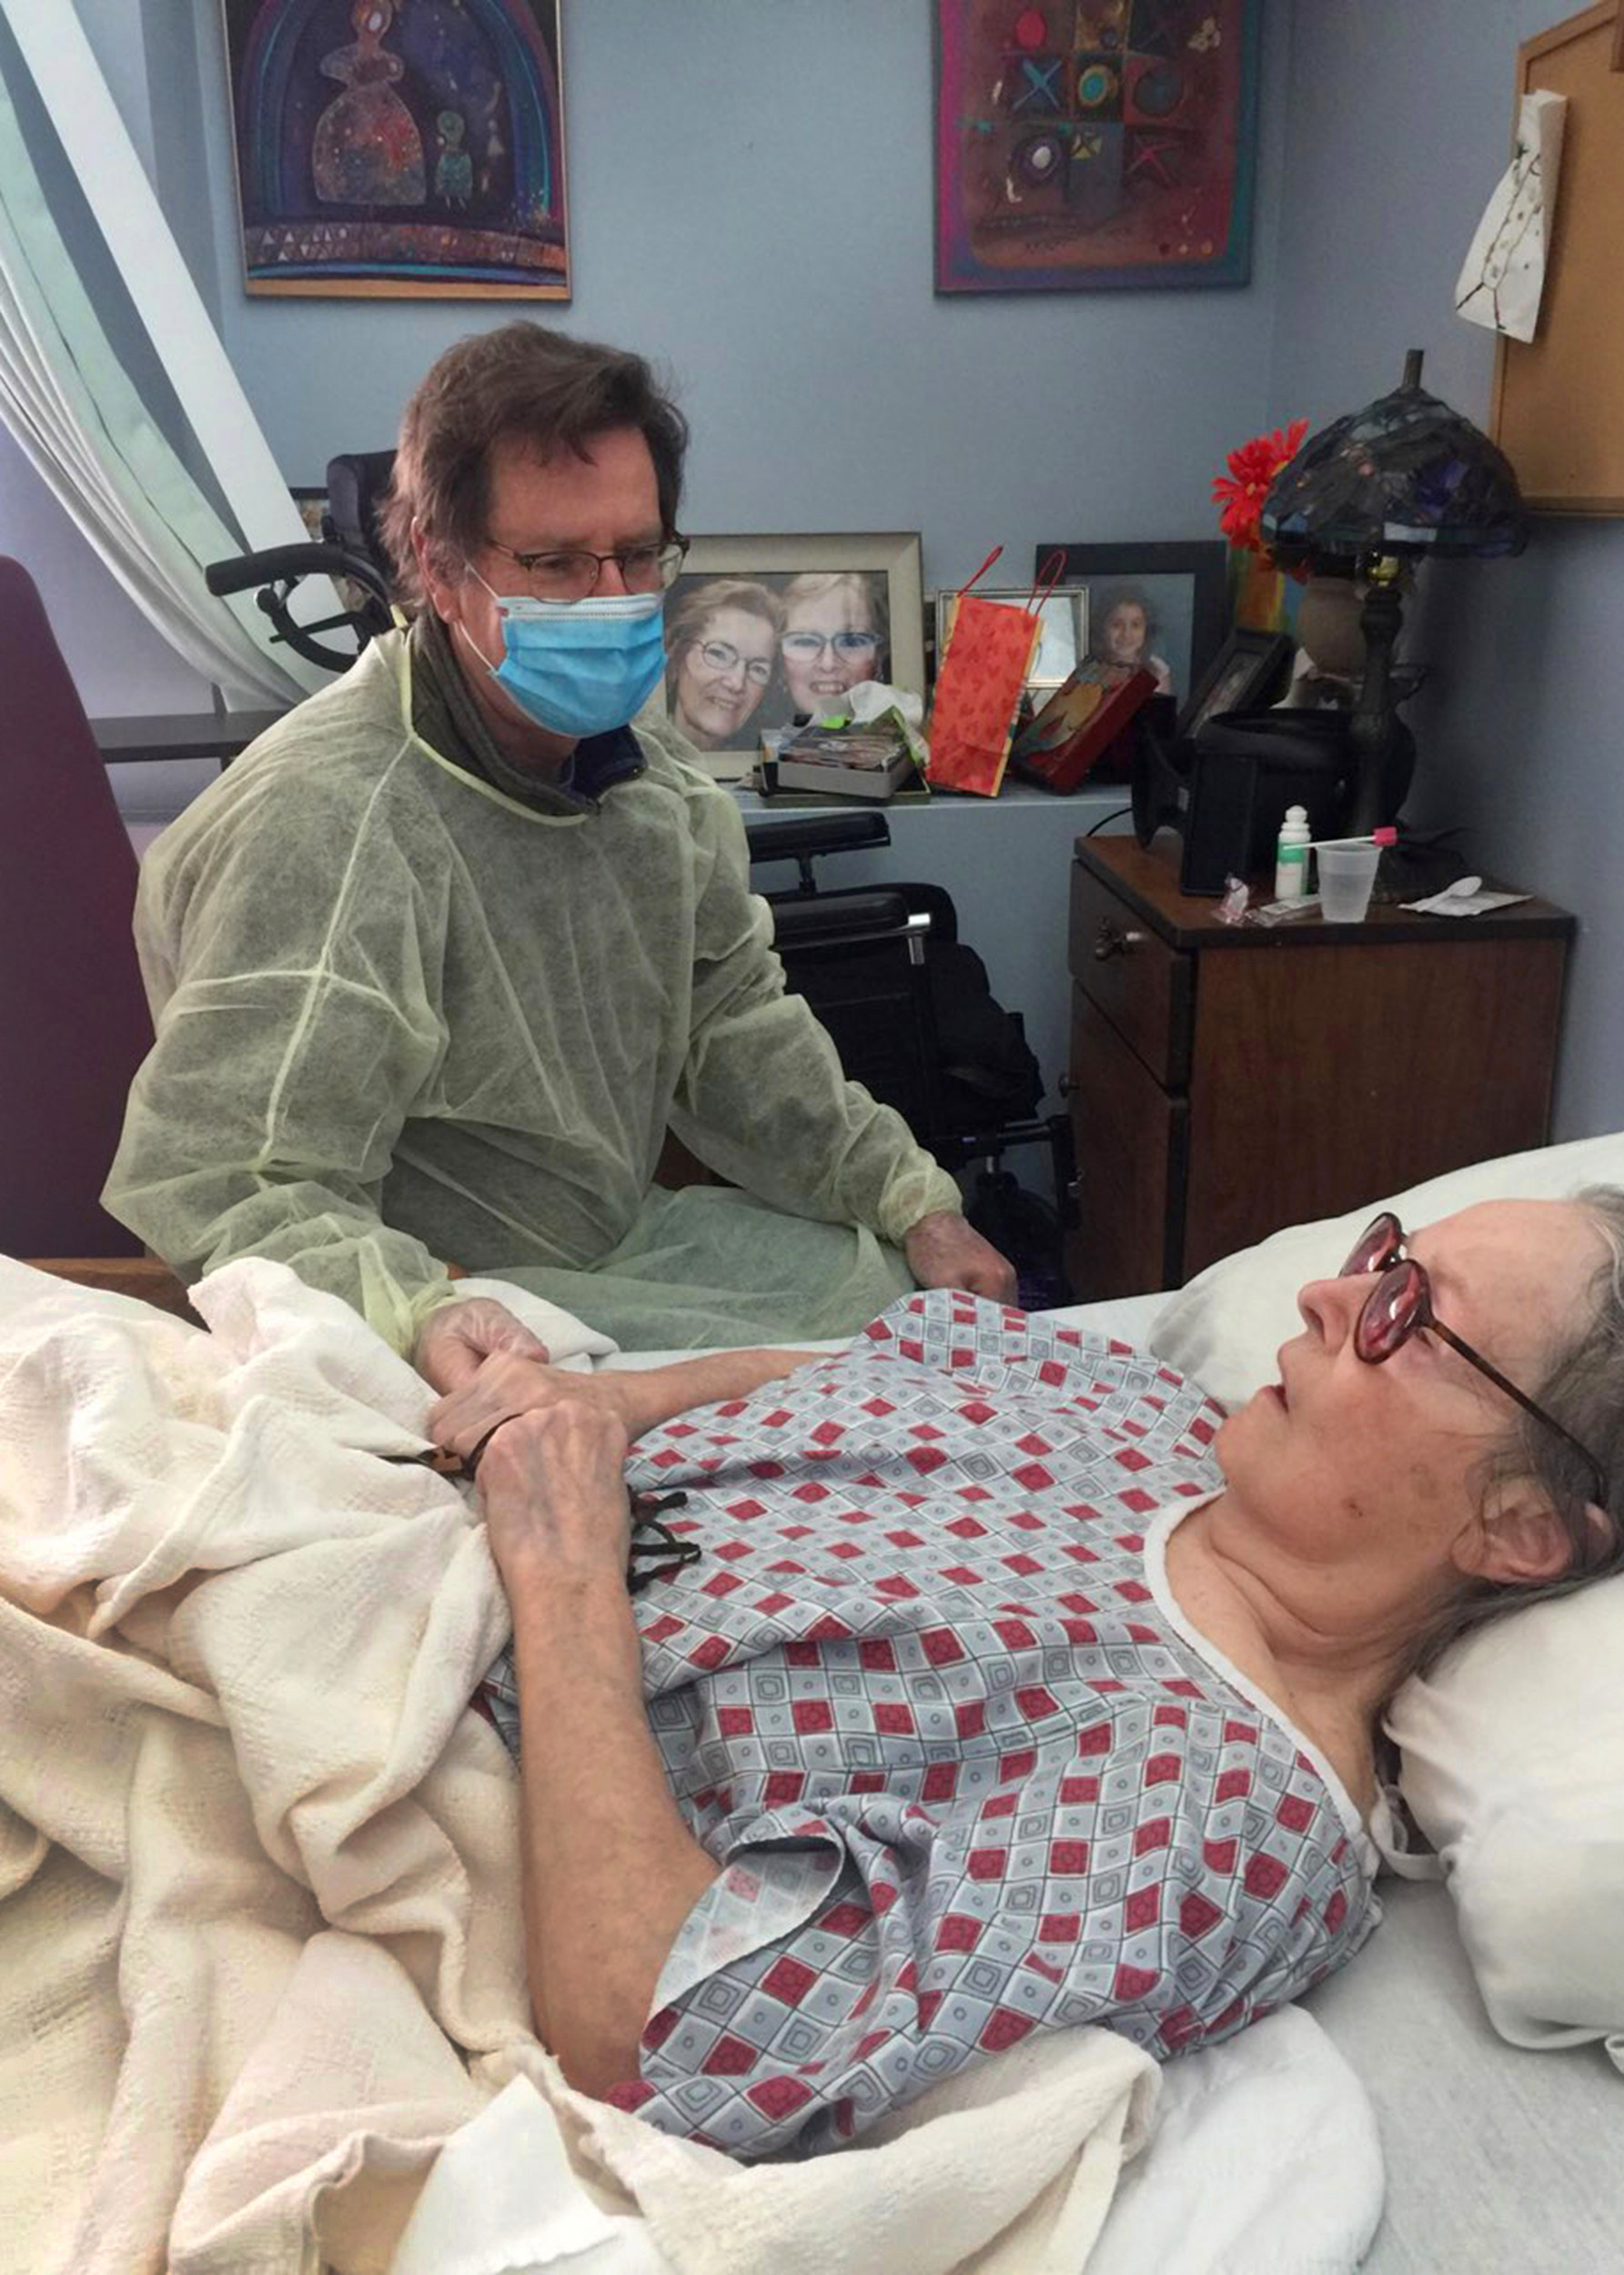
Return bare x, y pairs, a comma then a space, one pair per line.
747, 593
1557, 410
1088, 148
1182, 588
412, 154
1249, 668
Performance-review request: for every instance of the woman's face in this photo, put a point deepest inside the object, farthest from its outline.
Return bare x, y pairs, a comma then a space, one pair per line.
828, 645
1126, 632
1338, 1457
722, 676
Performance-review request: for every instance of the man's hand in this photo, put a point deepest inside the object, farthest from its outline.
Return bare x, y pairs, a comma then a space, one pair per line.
944, 1251
455, 1342
554, 1486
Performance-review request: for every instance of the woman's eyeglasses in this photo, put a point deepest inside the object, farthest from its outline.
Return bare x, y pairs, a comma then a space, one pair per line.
806, 647
1400, 1305
722, 656
654, 1552
574, 575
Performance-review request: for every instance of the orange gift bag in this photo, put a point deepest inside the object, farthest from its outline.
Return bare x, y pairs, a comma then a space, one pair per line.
978, 688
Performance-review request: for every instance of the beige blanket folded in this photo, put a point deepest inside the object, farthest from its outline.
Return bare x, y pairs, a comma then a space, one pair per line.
259, 1936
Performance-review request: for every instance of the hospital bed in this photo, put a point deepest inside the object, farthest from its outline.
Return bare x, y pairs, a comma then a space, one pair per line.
1271, 2147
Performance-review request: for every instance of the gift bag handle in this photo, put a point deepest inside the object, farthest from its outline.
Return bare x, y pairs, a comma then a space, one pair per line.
1043, 584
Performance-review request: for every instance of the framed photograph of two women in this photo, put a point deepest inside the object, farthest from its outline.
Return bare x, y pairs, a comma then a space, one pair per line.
762, 631
413, 148
1089, 143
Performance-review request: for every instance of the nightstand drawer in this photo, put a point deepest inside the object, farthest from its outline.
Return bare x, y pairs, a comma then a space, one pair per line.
1144, 988
1132, 1142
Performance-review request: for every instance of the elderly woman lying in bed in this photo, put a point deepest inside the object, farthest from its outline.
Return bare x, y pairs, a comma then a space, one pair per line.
1012, 1685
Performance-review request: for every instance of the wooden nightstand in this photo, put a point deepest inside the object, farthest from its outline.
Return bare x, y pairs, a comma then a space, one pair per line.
1229, 1079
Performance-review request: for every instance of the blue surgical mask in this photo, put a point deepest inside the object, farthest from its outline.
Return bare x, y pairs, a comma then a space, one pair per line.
579, 667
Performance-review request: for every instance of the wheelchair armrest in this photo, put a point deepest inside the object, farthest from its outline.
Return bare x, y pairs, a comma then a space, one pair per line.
800, 839
816, 919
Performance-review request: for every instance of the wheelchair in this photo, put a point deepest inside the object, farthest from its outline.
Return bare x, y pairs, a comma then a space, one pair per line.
904, 1001
350, 551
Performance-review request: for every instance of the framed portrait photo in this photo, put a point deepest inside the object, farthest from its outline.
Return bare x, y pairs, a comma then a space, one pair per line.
760, 631
1063, 641
1159, 608
413, 148
1249, 670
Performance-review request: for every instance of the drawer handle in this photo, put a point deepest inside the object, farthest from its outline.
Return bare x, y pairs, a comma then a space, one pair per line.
1110, 940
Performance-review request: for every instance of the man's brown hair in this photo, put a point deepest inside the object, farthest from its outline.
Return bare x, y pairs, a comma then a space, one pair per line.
522, 384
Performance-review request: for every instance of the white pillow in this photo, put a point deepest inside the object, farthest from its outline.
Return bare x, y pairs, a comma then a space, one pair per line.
1513, 1746
1226, 1326
1513, 1767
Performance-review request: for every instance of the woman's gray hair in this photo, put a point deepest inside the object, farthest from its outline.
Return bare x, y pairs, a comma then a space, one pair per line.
1583, 1388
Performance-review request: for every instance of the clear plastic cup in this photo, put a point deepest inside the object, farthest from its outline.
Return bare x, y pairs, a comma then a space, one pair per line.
1347, 876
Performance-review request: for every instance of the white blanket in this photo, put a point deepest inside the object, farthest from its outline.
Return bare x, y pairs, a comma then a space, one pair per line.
259, 1935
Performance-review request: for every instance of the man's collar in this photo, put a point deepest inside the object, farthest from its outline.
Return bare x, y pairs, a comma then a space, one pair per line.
445, 713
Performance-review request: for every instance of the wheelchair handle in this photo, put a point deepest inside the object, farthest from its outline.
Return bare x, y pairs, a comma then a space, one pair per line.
290, 562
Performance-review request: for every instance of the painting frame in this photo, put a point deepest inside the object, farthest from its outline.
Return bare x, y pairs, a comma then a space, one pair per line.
1191, 575
1267, 658
1087, 147
889, 561
1064, 610
429, 186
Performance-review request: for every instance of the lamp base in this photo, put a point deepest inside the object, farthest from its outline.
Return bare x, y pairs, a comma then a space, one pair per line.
1384, 765
1382, 746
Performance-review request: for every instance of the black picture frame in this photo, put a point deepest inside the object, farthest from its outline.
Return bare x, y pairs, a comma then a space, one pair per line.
1249, 668
1204, 561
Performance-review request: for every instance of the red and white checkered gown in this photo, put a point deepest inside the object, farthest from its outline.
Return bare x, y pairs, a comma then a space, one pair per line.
927, 1698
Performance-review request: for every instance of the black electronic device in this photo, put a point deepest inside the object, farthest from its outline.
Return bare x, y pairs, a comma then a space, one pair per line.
1225, 792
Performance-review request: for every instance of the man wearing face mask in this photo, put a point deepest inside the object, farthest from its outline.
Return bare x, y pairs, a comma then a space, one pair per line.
436, 964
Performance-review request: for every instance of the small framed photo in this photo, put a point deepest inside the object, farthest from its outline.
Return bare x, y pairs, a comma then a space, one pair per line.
1063, 642
1249, 668
1160, 608
760, 631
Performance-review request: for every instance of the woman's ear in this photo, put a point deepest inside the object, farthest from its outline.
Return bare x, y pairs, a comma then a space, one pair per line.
1520, 1540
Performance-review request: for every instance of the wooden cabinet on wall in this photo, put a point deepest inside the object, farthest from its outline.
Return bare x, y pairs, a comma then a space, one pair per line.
1226, 1080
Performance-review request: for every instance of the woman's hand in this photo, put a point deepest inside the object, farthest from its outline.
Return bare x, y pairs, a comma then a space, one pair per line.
512, 1382
639, 1398
553, 1485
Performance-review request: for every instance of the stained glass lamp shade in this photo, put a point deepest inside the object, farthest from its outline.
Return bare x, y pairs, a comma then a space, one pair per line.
1404, 478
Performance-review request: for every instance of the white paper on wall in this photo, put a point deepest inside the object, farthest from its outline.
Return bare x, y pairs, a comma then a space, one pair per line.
1504, 275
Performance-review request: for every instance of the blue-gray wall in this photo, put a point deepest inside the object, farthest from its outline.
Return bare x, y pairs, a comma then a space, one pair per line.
751, 184
751, 204
1399, 124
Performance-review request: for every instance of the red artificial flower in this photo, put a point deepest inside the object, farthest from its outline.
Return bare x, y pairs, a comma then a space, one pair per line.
1252, 471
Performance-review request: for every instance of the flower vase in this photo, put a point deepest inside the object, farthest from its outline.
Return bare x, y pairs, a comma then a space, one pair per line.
1257, 590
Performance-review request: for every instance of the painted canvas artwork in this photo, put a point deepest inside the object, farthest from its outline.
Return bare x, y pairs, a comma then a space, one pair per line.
1090, 143
411, 148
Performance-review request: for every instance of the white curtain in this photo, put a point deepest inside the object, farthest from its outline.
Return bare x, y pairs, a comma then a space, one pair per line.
78, 414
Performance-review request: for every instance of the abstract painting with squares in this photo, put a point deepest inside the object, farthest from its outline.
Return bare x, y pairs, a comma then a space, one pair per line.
1089, 143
